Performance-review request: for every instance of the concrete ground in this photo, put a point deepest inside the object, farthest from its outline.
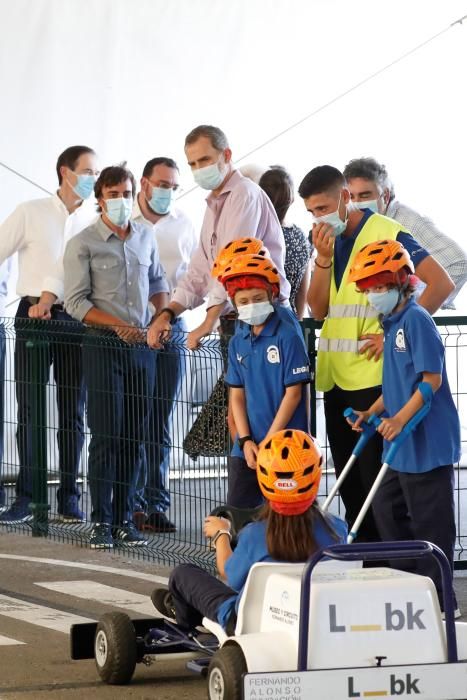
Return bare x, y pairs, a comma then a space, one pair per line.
67, 581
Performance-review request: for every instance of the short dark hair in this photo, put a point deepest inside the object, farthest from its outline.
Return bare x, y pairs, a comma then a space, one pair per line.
369, 169
162, 160
70, 157
278, 185
216, 136
321, 179
114, 175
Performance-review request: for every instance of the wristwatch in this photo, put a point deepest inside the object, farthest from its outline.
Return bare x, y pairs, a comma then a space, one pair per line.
242, 440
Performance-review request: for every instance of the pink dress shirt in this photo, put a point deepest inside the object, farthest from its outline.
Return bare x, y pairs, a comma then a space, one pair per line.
241, 209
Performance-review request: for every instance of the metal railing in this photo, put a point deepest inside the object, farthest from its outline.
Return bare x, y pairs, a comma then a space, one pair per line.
175, 460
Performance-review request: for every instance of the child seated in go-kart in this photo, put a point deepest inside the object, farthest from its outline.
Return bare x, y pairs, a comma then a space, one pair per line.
291, 527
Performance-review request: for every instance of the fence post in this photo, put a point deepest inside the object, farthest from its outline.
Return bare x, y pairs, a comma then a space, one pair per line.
39, 506
309, 326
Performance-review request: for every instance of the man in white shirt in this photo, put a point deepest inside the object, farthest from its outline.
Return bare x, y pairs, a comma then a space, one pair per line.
38, 231
177, 241
5, 270
371, 188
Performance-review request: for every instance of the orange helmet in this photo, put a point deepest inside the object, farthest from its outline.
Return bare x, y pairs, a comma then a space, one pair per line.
289, 471
241, 246
258, 265
380, 257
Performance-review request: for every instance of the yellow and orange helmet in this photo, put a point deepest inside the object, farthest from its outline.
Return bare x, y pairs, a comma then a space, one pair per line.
241, 246
382, 262
289, 471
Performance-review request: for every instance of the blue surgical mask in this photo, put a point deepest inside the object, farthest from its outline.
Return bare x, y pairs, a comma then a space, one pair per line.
371, 204
84, 186
161, 200
334, 220
210, 177
255, 314
384, 302
119, 210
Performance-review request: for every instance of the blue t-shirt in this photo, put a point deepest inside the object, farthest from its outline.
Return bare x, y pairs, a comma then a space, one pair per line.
252, 548
264, 365
343, 247
412, 345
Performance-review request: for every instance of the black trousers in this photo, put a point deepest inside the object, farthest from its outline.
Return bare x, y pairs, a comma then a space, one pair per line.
64, 352
243, 488
420, 507
197, 594
342, 440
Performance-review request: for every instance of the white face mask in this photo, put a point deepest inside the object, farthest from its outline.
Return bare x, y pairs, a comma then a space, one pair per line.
334, 220
255, 314
211, 176
371, 204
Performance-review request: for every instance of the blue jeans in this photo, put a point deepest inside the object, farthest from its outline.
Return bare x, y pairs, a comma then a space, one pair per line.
64, 352
2, 405
152, 487
120, 380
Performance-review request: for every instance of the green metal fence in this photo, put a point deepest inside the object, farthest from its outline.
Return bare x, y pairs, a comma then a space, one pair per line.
195, 450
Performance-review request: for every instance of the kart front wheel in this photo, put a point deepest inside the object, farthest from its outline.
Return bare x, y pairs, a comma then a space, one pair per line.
225, 673
115, 648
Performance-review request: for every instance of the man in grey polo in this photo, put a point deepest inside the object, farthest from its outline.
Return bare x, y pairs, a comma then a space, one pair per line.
112, 271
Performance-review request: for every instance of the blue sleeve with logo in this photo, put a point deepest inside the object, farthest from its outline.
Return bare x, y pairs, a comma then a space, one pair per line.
426, 346
233, 375
413, 247
295, 359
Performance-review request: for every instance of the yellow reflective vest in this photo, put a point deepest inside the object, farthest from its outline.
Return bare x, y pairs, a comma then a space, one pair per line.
349, 317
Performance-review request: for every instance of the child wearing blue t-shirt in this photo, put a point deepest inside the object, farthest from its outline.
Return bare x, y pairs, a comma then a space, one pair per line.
267, 371
291, 528
416, 497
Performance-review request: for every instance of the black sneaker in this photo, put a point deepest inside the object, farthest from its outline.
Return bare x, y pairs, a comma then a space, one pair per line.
159, 522
127, 535
163, 602
101, 536
18, 512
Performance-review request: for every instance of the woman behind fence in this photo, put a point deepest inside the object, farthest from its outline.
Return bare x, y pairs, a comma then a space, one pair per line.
291, 528
278, 185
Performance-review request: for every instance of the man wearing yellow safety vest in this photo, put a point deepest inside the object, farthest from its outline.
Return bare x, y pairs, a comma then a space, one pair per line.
349, 362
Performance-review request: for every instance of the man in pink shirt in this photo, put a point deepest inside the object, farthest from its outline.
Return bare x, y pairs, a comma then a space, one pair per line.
236, 207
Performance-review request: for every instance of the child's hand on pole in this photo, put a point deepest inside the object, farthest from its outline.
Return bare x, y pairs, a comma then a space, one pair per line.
362, 416
390, 427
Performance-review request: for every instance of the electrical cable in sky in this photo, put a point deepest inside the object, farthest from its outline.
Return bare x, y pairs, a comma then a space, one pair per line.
305, 118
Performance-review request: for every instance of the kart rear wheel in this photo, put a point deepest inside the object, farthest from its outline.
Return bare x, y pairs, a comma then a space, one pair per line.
225, 673
115, 648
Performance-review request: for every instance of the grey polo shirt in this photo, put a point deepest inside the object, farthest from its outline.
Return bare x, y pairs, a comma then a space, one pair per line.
115, 276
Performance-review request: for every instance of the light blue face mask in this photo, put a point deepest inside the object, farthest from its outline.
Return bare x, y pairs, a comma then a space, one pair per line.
84, 186
371, 204
255, 314
119, 210
210, 177
334, 220
384, 302
161, 200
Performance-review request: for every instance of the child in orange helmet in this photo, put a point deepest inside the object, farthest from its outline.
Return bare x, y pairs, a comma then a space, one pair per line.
416, 497
290, 528
267, 370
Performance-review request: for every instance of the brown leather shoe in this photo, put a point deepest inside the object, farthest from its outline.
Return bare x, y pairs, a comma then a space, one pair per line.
159, 522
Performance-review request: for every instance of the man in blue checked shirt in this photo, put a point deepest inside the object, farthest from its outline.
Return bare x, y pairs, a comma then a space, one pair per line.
112, 272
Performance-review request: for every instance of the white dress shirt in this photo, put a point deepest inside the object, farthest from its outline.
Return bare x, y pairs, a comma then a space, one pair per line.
241, 209
447, 252
38, 231
176, 239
